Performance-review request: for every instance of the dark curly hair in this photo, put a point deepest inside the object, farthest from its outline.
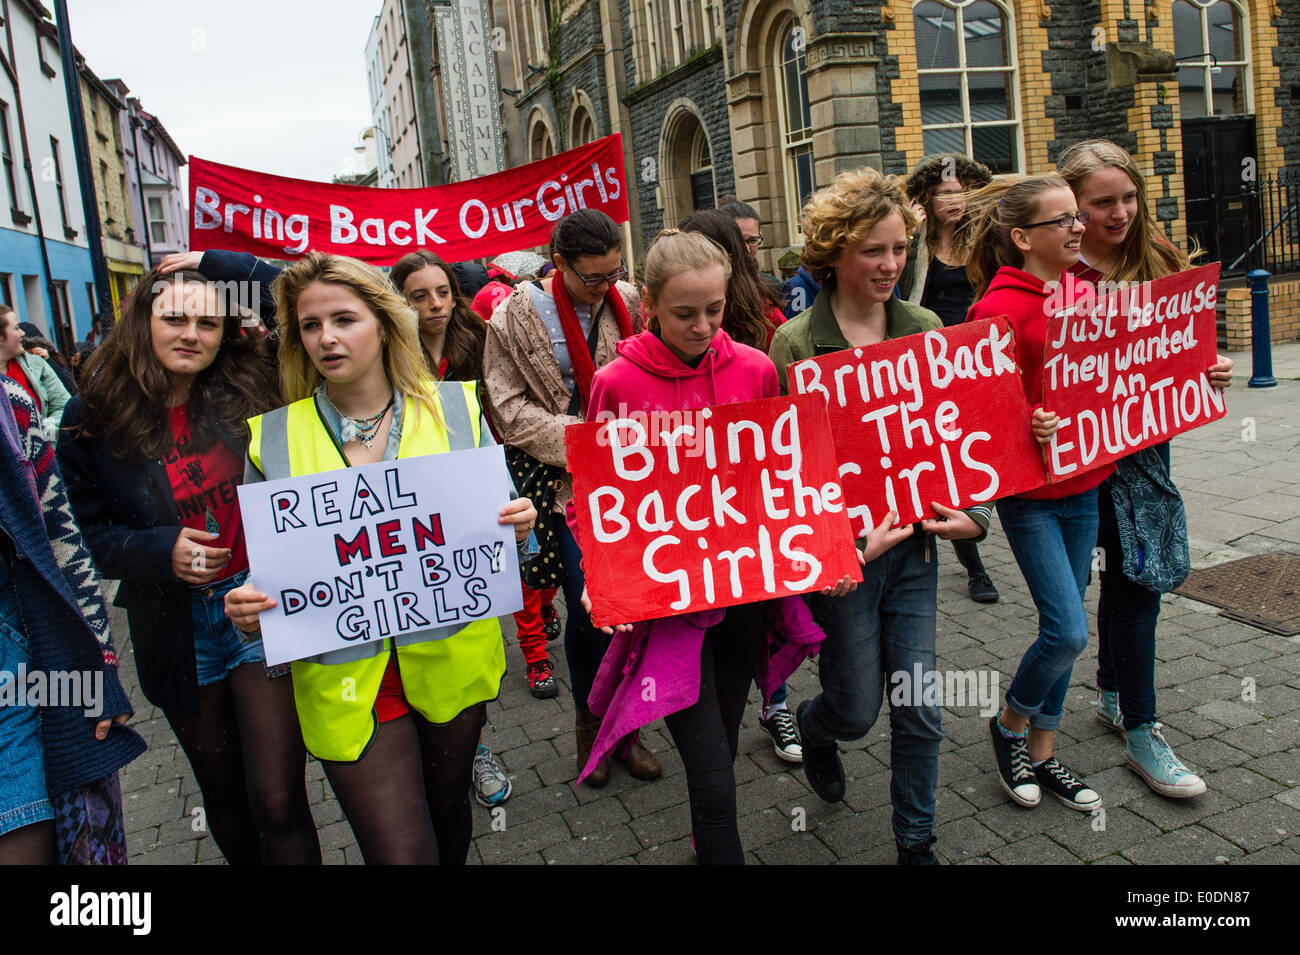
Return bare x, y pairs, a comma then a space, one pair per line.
126, 388
941, 167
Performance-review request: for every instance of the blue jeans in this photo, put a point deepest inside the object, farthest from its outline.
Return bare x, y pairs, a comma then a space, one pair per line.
1052, 541
1127, 615
24, 800
885, 626
219, 646
584, 645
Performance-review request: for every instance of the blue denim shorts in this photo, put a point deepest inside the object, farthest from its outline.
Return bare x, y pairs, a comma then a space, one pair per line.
23, 797
219, 646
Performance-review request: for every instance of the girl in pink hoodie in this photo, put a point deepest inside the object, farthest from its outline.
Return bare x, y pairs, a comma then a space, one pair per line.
684, 360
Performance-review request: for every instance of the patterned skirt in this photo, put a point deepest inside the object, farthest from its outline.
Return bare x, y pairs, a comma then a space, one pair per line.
88, 824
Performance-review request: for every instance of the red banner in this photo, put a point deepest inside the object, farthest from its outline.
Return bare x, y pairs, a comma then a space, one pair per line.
279, 218
1126, 368
939, 416
685, 510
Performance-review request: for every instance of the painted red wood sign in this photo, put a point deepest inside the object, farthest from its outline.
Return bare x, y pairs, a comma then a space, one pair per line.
684, 510
1127, 368
939, 416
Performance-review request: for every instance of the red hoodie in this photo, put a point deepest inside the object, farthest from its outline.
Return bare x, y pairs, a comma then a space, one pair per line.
1022, 298
647, 376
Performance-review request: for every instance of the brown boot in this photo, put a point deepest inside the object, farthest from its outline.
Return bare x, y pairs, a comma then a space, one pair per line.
586, 725
641, 762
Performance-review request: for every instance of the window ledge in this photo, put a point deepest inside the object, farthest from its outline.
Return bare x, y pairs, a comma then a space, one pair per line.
19, 217
48, 70
70, 233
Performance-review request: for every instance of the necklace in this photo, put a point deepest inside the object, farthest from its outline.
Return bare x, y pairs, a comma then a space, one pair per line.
361, 429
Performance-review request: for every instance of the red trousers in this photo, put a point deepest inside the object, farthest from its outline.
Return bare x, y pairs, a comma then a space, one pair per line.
529, 625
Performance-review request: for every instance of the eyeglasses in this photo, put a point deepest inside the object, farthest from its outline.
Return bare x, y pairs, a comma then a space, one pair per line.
754, 241
1064, 222
610, 279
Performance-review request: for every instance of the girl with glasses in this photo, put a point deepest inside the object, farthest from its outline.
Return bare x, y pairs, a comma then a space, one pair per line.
1026, 234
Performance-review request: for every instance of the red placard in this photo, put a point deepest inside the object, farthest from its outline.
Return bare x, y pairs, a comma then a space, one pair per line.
937, 416
1126, 368
686, 510
281, 218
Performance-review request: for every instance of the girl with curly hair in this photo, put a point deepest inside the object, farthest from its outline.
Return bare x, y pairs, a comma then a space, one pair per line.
936, 280
855, 245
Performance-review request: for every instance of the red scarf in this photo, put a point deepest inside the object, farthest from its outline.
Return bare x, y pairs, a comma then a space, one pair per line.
584, 367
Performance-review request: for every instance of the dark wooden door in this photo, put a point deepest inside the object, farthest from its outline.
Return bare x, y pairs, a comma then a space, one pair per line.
1218, 154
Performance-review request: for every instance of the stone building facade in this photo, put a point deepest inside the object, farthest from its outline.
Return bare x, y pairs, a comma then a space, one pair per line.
769, 99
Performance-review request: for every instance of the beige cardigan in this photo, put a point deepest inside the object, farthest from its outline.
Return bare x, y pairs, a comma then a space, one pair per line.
526, 396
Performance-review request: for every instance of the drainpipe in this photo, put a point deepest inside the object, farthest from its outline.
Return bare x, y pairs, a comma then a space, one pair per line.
81, 149
139, 182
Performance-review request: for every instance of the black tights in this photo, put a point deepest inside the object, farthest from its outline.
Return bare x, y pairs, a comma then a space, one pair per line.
247, 753
29, 845
707, 733
407, 797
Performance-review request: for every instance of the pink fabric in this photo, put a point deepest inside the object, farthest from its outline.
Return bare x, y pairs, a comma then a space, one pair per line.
647, 376
488, 297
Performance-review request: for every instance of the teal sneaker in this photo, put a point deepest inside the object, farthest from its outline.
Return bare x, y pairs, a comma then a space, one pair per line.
1153, 760
491, 784
1108, 714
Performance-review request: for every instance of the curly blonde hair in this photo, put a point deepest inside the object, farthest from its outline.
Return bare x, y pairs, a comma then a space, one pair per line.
842, 214
403, 357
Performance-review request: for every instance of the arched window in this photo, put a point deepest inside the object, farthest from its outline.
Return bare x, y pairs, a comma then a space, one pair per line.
583, 129
796, 118
540, 144
1217, 84
966, 65
687, 164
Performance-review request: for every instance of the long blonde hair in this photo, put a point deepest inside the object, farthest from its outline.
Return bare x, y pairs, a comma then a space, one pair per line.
1144, 254
1002, 205
403, 357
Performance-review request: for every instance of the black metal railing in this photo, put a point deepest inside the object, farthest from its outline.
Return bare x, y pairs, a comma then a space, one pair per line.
1275, 243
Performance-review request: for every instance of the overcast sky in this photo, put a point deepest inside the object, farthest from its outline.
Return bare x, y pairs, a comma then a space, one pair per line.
278, 86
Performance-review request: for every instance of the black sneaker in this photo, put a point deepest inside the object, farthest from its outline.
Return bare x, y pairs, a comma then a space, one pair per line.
982, 590
918, 854
785, 735
1015, 771
1065, 786
821, 763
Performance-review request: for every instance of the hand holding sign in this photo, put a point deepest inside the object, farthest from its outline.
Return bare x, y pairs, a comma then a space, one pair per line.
936, 416
679, 511
1128, 367
380, 550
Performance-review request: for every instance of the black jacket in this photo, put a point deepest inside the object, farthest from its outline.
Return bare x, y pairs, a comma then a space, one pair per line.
128, 517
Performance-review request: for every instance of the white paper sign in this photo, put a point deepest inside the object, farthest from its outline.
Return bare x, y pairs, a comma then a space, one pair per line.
381, 550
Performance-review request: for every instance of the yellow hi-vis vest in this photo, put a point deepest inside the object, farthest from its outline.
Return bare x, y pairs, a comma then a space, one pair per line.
444, 670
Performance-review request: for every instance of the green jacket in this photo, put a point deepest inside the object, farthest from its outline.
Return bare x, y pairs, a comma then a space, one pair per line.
816, 332
49, 391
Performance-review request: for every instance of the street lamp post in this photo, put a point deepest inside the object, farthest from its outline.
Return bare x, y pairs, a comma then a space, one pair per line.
386, 168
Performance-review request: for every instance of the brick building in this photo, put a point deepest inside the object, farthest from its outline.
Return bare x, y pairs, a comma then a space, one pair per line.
770, 98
